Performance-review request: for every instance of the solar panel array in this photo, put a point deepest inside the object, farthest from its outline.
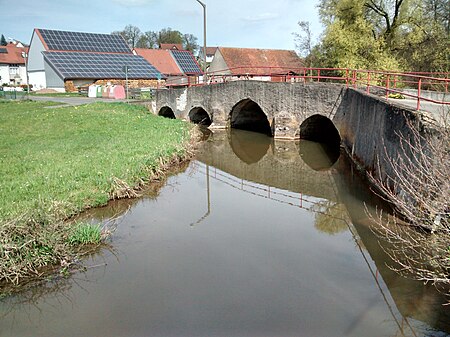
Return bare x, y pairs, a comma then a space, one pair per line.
76, 41
72, 65
186, 62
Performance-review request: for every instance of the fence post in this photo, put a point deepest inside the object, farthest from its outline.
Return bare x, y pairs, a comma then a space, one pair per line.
387, 86
419, 87
354, 79
368, 82
346, 77
318, 75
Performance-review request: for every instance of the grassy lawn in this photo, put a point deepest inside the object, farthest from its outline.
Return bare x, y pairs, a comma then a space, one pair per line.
57, 162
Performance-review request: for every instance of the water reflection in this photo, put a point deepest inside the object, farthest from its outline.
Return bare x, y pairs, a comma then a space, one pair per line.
250, 147
231, 248
319, 156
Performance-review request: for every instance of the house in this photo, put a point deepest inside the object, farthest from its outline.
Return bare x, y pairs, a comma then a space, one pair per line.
12, 64
210, 52
64, 60
179, 66
256, 64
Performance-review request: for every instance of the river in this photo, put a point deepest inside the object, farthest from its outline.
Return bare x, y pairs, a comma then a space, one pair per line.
255, 237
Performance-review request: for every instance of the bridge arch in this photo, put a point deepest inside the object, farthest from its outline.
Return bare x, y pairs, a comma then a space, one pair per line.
198, 115
166, 112
248, 115
320, 129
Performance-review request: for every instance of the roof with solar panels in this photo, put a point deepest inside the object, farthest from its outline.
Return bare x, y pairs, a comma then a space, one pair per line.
77, 55
171, 61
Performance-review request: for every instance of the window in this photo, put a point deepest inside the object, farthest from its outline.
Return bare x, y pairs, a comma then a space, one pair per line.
13, 69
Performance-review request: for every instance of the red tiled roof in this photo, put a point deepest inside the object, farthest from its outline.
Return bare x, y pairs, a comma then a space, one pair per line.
210, 50
260, 61
172, 46
162, 60
13, 54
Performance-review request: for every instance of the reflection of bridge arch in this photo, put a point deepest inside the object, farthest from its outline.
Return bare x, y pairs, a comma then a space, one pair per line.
167, 112
318, 156
198, 115
250, 147
248, 115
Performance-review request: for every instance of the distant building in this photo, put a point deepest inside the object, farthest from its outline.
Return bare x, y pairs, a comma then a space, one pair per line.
210, 52
257, 64
171, 46
12, 64
179, 66
64, 60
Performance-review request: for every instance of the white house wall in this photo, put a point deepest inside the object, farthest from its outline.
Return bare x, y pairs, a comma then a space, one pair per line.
35, 57
6, 77
53, 80
218, 65
37, 79
4, 73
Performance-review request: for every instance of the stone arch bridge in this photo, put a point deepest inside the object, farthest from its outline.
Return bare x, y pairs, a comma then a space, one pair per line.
280, 109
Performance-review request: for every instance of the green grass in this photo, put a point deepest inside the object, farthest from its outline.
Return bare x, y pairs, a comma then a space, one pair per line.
84, 234
56, 162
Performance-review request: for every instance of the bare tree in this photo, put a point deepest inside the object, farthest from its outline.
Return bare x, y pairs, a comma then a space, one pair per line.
304, 41
131, 35
419, 191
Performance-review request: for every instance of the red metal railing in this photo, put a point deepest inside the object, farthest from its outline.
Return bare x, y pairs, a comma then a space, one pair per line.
372, 81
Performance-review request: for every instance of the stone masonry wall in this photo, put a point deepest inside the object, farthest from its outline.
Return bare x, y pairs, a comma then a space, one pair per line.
286, 105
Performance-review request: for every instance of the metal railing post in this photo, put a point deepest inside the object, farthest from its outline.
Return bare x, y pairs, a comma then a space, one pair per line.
368, 82
387, 86
346, 77
318, 75
419, 87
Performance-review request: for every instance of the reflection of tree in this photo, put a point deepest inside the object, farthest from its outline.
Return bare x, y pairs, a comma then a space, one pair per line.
331, 217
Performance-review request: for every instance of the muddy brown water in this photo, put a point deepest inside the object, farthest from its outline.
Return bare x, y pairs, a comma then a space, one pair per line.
255, 237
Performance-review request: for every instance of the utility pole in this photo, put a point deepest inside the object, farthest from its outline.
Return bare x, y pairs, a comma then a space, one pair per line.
25, 56
204, 38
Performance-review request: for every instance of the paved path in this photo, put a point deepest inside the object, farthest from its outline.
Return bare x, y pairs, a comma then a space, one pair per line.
437, 111
73, 101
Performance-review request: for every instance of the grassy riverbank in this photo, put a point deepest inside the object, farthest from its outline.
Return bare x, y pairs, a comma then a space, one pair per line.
58, 162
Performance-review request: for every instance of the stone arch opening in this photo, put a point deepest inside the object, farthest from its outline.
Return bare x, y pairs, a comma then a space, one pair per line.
320, 129
199, 115
248, 115
166, 112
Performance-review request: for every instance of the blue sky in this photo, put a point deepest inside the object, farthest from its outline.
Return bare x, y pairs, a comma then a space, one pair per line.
230, 23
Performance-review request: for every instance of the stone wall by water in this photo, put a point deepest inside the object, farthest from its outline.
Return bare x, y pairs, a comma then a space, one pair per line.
372, 130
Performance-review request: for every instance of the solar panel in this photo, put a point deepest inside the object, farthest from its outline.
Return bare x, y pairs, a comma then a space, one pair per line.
75, 41
186, 62
94, 66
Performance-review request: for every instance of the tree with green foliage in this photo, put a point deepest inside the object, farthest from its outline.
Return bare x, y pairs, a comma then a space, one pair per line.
190, 42
150, 39
3, 41
385, 34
